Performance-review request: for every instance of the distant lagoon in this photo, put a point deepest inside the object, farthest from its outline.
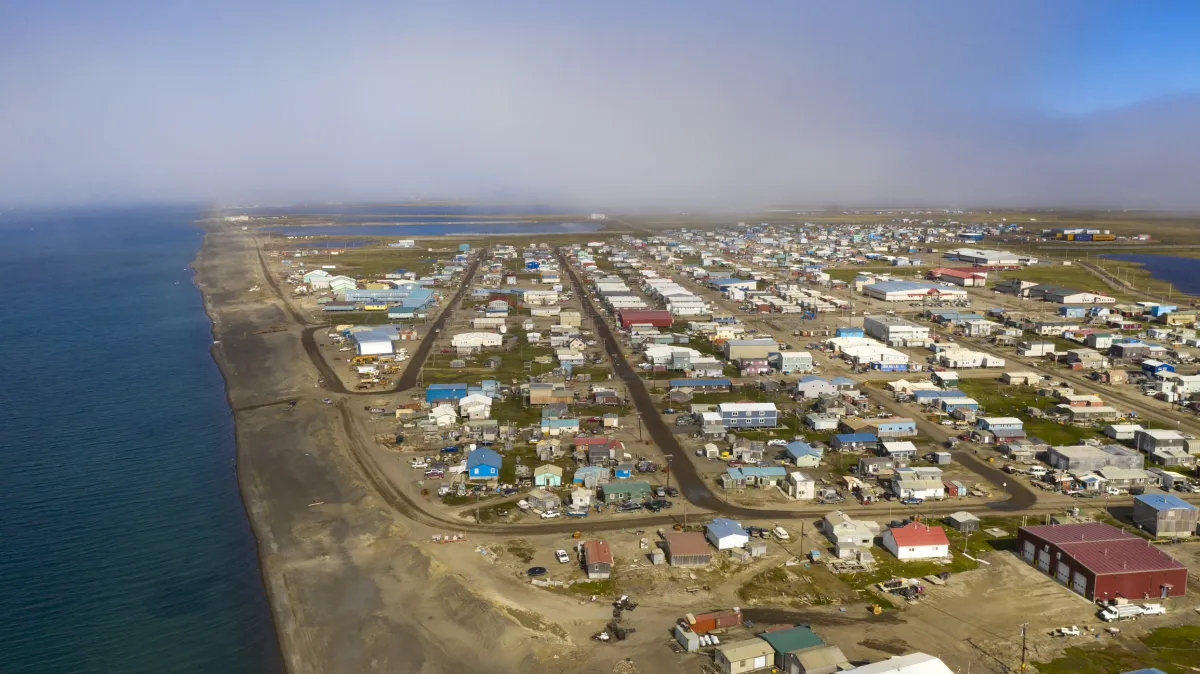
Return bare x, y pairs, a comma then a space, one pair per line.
1181, 272
437, 229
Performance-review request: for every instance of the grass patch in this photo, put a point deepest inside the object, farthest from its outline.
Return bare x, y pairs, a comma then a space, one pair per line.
888, 567
521, 549
1174, 650
997, 399
787, 586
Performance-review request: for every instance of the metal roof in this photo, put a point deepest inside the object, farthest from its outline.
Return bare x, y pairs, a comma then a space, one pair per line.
1130, 555
722, 527
916, 534
1164, 501
687, 543
1078, 533
791, 639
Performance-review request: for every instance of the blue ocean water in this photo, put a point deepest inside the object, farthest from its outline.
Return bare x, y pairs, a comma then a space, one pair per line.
405, 210
1181, 272
125, 547
475, 229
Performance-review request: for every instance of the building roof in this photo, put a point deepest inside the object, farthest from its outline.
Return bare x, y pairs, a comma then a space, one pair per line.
913, 663
624, 487
687, 543
483, 457
1120, 556
916, 534
791, 639
683, 383
746, 649
1076, 533
856, 437
957, 273
1164, 501
722, 527
746, 407
597, 551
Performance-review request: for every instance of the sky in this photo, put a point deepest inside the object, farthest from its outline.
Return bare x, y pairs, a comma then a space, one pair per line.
616, 104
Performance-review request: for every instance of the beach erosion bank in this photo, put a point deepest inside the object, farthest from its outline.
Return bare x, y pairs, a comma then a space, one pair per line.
349, 587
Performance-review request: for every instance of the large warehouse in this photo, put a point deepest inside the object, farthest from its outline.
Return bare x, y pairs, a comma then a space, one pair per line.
655, 317
896, 330
1100, 561
905, 291
986, 258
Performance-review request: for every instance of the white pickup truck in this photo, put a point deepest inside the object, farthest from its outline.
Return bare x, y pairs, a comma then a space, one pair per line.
1153, 609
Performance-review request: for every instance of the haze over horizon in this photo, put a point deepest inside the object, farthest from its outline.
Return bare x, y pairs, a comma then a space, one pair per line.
711, 104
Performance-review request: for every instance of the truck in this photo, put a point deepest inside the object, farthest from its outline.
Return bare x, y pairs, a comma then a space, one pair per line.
1153, 609
1121, 612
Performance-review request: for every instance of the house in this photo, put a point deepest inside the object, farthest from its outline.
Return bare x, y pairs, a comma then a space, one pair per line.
812, 386
1165, 515
923, 483
1002, 429
748, 655
1021, 378
803, 454
483, 464
823, 659
1170, 456
597, 559
962, 521
788, 362
1101, 562
917, 540
621, 492
854, 442
475, 407
725, 534
1126, 478
790, 641
821, 422
748, 415
549, 394
581, 498
688, 548
847, 532
749, 348
443, 416
1085, 458
900, 452
544, 500
548, 475
870, 466
591, 476
800, 486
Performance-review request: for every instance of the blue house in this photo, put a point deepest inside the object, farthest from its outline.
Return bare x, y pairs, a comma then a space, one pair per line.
437, 392
483, 464
1162, 309
849, 332
1002, 428
926, 397
1067, 311
598, 474
490, 388
844, 383
1151, 366
951, 404
853, 442
803, 454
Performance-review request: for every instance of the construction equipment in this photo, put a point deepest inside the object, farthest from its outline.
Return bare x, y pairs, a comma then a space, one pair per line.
876, 609
577, 534
364, 360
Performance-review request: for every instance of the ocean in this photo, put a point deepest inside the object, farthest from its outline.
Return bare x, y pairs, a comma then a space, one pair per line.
125, 544
1181, 272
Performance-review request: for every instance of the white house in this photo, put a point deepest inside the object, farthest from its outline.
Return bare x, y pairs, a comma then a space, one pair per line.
444, 415
917, 540
475, 406
800, 486
476, 340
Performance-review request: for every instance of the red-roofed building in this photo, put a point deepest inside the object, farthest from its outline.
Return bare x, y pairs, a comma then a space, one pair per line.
656, 317
598, 559
917, 540
960, 277
1100, 561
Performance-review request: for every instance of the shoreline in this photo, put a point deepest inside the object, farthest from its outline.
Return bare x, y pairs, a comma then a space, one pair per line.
276, 596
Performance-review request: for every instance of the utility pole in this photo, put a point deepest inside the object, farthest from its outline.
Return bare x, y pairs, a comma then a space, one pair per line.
1023, 650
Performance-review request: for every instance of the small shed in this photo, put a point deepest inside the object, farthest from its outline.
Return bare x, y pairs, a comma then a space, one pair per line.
941, 458
962, 521
757, 548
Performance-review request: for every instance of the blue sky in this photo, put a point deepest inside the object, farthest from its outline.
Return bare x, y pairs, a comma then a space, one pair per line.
664, 103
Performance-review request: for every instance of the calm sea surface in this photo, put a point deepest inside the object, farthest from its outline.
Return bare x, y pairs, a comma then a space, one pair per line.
1181, 272
125, 547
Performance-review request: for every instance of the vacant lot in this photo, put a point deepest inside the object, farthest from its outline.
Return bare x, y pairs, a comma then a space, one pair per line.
997, 399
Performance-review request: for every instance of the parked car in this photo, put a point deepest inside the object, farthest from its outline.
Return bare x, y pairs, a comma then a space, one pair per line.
912, 500
549, 514
562, 557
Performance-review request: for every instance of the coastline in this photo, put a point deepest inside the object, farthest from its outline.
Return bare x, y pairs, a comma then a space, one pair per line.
350, 587
252, 500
